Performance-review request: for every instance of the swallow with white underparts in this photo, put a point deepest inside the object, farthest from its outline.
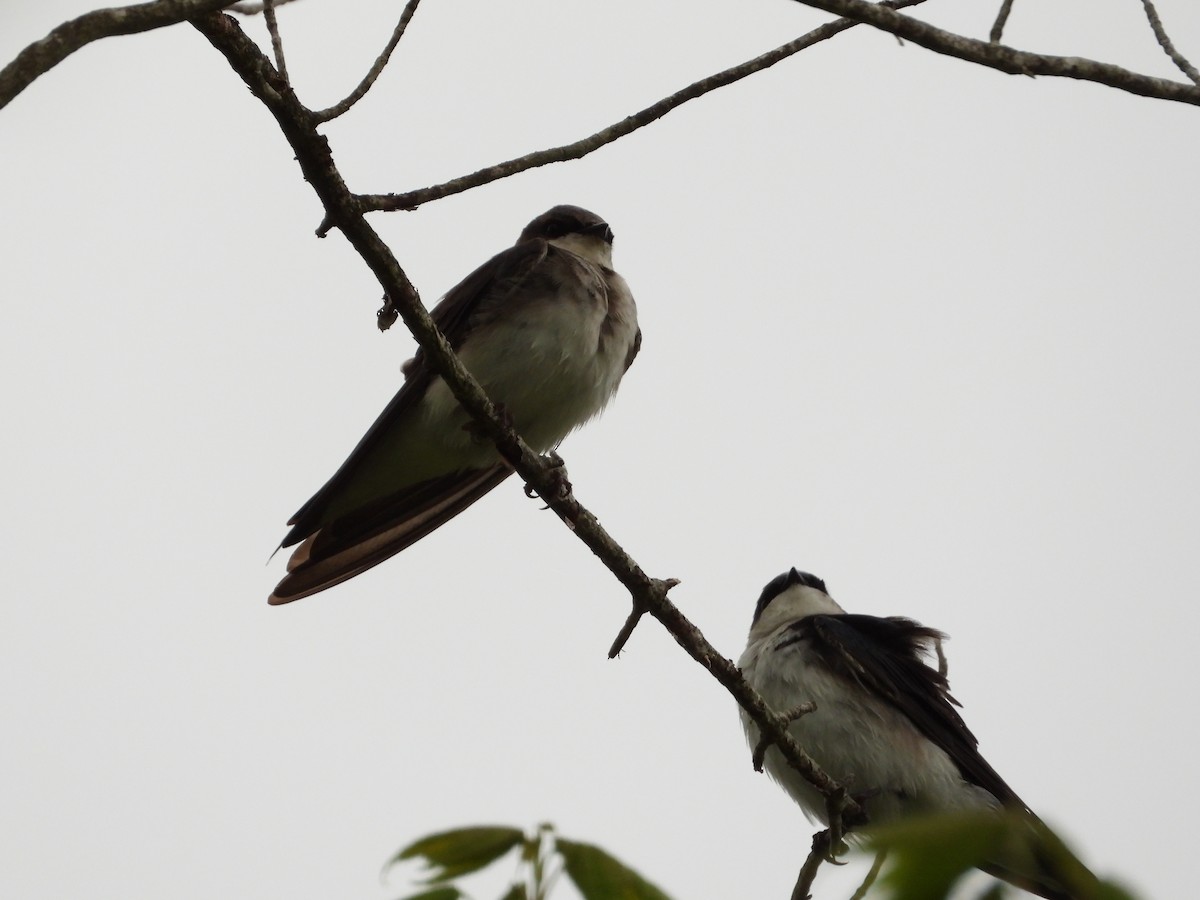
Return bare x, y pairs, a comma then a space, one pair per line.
547, 328
884, 724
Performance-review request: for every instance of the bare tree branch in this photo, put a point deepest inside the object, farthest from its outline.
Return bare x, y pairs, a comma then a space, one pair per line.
42, 56
1006, 59
412, 199
1160, 35
276, 40
311, 149
997, 31
626, 632
759, 756
808, 871
365, 85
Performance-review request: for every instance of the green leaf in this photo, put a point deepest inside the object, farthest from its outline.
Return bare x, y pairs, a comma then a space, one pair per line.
450, 854
602, 877
929, 854
516, 892
438, 893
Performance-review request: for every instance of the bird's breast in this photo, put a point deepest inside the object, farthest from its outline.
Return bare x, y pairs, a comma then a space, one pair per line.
555, 358
859, 740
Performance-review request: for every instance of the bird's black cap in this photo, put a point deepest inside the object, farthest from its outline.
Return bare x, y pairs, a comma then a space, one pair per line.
561, 220
781, 583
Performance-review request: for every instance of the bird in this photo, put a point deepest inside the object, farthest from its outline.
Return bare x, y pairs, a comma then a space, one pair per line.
884, 724
547, 328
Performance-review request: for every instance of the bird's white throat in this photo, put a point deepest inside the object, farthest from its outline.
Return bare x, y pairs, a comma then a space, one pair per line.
594, 249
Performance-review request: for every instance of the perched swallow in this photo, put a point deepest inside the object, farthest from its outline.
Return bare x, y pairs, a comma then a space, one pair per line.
546, 327
884, 725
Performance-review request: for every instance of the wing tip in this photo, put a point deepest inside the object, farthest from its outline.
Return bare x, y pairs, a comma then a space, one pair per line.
317, 565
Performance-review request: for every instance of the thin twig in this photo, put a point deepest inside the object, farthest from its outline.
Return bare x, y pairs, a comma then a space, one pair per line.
1006, 59
382, 60
412, 199
276, 40
63, 40
758, 757
311, 151
808, 872
997, 31
826, 845
876, 865
1160, 34
626, 632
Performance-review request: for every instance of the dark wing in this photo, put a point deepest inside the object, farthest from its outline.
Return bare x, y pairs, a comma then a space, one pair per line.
884, 656
359, 541
482, 293
478, 295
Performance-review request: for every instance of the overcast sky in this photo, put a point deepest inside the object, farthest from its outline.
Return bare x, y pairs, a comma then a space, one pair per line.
924, 329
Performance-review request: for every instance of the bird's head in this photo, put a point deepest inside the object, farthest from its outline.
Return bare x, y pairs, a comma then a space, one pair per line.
574, 229
790, 596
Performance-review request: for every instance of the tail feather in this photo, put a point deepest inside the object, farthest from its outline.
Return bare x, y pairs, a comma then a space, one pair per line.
346, 547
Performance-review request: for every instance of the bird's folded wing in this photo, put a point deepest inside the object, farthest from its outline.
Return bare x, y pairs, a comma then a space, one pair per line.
357, 542
884, 656
477, 296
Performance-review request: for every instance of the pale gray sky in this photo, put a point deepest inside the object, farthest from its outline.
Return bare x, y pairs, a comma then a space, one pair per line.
924, 329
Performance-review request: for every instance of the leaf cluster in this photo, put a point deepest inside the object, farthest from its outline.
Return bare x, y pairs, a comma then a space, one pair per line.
543, 858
